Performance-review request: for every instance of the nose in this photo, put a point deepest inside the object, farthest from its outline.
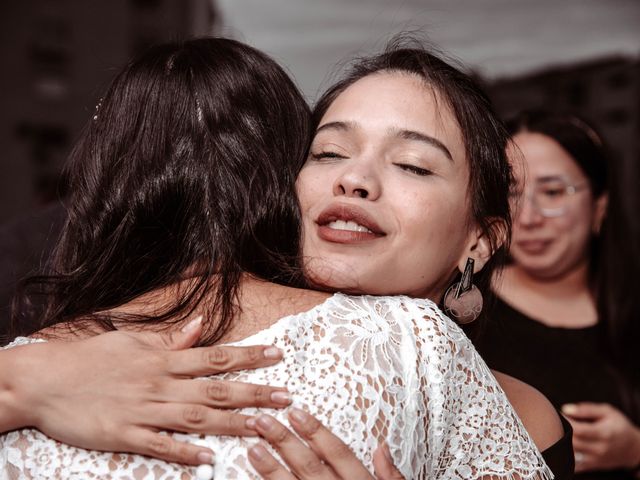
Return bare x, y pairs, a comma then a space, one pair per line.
529, 214
358, 180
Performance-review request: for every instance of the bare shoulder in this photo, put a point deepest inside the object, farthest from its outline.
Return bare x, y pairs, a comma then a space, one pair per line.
538, 415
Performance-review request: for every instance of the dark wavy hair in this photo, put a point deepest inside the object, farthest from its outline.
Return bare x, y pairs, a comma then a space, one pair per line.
484, 136
186, 171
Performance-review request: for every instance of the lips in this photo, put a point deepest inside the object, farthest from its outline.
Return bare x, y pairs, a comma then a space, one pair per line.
347, 224
533, 246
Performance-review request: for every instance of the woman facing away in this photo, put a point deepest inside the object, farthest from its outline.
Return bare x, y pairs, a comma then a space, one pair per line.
546, 328
183, 205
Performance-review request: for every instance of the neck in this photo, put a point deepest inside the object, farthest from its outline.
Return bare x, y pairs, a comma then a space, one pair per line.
562, 301
573, 282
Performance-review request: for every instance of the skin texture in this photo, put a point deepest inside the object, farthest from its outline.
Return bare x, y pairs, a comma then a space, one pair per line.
399, 162
536, 412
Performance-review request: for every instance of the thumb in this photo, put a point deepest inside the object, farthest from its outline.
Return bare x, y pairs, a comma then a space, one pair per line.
383, 464
186, 337
586, 410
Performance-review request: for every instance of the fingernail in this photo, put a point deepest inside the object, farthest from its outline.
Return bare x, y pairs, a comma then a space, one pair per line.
569, 408
192, 325
265, 422
283, 398
251, 423
205, 457
298, 415
258, 452
272, 353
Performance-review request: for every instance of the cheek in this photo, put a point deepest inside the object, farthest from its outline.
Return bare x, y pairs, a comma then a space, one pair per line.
306, 188
432, 217
575, 223
433, 228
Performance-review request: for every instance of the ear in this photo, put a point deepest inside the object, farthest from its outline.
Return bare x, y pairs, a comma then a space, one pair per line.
479, 246
600, 212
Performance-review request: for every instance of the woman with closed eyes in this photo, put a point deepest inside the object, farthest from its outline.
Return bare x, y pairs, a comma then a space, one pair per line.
183, 205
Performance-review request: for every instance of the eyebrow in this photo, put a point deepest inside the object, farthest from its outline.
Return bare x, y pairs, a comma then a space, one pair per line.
551, 178
421, 137
401, 133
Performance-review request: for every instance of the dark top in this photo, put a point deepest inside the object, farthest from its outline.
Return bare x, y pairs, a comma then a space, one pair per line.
565, 364
559, 456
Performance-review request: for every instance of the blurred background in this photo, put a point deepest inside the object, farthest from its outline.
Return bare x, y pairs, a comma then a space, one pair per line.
58, 55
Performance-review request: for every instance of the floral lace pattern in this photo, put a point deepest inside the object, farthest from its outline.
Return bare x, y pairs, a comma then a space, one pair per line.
372, 369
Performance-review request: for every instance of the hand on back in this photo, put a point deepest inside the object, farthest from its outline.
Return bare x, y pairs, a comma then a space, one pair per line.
116, 391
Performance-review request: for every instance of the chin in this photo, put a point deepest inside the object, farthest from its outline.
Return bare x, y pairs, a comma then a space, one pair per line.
324, 275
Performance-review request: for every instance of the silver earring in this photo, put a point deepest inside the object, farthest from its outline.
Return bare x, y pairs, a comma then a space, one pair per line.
463, 300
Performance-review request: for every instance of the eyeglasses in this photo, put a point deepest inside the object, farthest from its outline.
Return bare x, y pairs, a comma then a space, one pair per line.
551, 195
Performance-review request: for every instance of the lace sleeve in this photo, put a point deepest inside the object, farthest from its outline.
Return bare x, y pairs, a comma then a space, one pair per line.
371, 369
397, 369
472, 430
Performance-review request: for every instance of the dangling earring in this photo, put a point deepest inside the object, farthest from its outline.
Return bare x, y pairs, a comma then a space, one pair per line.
463, 300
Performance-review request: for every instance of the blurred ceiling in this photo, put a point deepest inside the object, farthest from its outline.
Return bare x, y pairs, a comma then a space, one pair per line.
496, 38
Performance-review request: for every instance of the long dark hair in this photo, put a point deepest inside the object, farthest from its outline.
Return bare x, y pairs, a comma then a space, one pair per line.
484, 136
187, 169
617, 294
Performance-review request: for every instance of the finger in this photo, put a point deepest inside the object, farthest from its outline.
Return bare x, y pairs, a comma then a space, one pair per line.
302, 461
224, 394
585, 446
585, 430
266, 465
192, 418
586, 410
383, 464
204, 361
584, 463
165, 447
327, 446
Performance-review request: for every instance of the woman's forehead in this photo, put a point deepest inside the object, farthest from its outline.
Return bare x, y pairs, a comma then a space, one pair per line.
544, 157
395, 101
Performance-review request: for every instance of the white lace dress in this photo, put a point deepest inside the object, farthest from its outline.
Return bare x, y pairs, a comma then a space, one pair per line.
372, 369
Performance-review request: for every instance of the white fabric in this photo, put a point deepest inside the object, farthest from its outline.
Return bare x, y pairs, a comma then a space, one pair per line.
371, 368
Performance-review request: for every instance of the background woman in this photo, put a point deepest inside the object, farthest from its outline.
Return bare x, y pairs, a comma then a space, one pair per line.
546, 328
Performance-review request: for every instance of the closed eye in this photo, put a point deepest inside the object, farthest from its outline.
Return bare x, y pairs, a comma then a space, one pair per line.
423, 172
326, 155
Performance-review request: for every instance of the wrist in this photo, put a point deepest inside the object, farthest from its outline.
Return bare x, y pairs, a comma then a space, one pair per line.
14, 408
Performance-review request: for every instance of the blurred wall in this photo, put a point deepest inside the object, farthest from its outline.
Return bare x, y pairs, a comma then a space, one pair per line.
57, 56
578, 55
495, 38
